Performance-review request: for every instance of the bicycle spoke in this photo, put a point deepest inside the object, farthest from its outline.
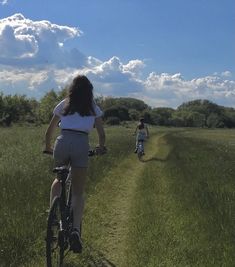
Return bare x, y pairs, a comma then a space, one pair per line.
54, 240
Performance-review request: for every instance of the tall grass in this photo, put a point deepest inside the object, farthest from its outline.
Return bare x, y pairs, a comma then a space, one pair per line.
24, 192
25, 179
174, 209
183, 212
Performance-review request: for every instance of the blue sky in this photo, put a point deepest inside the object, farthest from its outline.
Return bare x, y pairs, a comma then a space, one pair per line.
162, 51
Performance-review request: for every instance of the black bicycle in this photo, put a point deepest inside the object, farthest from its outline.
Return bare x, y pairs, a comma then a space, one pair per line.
140, 149
60, 219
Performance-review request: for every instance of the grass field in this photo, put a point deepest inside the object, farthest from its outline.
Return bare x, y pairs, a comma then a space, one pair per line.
176, 208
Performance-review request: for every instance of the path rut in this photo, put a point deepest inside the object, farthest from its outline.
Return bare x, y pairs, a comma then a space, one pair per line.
120, 187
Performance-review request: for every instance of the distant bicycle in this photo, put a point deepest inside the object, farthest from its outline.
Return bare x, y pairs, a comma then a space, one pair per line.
60, 219
140, 149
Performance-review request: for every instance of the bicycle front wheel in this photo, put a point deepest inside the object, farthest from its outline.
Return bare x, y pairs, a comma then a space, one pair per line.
140, 154
54, 238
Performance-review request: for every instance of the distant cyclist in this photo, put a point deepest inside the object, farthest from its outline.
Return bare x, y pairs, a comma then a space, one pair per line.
77, 114
141, 132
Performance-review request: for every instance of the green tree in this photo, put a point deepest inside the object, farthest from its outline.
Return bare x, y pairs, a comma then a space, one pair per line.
164, 115
14, 108
229, 117
134, 114
202, 106
179, 118
127, 102
215, 121
113, 121
120, 112
47, 104
132, 103
63, 93
198, 119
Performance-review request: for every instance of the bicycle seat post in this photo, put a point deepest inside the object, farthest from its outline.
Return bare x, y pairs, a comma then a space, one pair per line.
62, 174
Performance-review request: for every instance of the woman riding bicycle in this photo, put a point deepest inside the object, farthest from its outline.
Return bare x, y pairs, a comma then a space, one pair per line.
141, 133
76, 115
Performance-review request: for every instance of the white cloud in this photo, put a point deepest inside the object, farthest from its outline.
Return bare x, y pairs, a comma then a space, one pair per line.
3, 2
226, 73
134, 67
25, 42
113, 77
34, 59
34, 82
109, 78
174, 89
16, 46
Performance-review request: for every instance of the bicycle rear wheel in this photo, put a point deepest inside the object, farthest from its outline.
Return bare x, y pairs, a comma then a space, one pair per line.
140, 151
55, 238
140, 154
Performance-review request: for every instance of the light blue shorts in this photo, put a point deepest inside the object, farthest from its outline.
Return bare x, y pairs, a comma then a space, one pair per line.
140, 136
71, 147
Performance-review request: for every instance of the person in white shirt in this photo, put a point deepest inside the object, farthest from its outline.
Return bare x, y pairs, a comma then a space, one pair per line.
76, 115
141, 132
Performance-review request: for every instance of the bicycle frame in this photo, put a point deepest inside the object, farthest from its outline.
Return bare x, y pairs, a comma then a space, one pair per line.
65, 198
60, 219
140, 148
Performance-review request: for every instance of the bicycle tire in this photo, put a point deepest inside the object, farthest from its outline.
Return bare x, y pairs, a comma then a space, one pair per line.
54, 238
140, 151
139, 154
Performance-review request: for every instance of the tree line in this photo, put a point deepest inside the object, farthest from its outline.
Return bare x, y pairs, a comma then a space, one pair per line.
196, 113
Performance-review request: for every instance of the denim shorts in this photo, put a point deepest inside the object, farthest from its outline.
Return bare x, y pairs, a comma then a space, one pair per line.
140, 137
71, 147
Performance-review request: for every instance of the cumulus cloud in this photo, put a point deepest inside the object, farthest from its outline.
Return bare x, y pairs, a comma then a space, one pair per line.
24, 42
114, 77
34, 59
134, 67
34, 82
3, 2
16, 46
110, 79
174, 89
226, 73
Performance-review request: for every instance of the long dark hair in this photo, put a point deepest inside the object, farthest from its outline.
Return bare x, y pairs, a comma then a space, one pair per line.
141, 124
80, 97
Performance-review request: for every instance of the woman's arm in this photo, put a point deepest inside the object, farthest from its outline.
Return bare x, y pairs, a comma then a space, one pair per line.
49, 132
135, 130
100, 130
147, 131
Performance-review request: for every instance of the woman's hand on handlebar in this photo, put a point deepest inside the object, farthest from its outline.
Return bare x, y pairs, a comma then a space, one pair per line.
48, 151
97, 151
100, 150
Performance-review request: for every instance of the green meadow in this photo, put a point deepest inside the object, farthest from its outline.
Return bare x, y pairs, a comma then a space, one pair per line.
176, 208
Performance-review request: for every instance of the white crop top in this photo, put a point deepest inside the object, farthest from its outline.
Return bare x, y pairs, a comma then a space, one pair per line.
76, 121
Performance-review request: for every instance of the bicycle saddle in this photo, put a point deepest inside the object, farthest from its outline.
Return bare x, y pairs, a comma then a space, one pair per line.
62, 169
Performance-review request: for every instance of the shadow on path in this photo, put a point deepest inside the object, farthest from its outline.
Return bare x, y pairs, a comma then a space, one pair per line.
154, 159
92, 258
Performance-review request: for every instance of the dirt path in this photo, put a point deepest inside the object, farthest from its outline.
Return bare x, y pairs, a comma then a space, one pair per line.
116, 193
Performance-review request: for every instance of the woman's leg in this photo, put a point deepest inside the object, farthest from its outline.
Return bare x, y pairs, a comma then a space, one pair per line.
136, 143
78, 188
55, 190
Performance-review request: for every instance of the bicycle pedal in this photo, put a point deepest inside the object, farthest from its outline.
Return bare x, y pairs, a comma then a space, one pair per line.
66, 245
55, 224
75, 244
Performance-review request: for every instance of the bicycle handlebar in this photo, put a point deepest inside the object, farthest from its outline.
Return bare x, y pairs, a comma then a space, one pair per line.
47, 152
97, 152
91, 153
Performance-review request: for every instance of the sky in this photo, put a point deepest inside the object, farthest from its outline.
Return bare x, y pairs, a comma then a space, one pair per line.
164, 52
